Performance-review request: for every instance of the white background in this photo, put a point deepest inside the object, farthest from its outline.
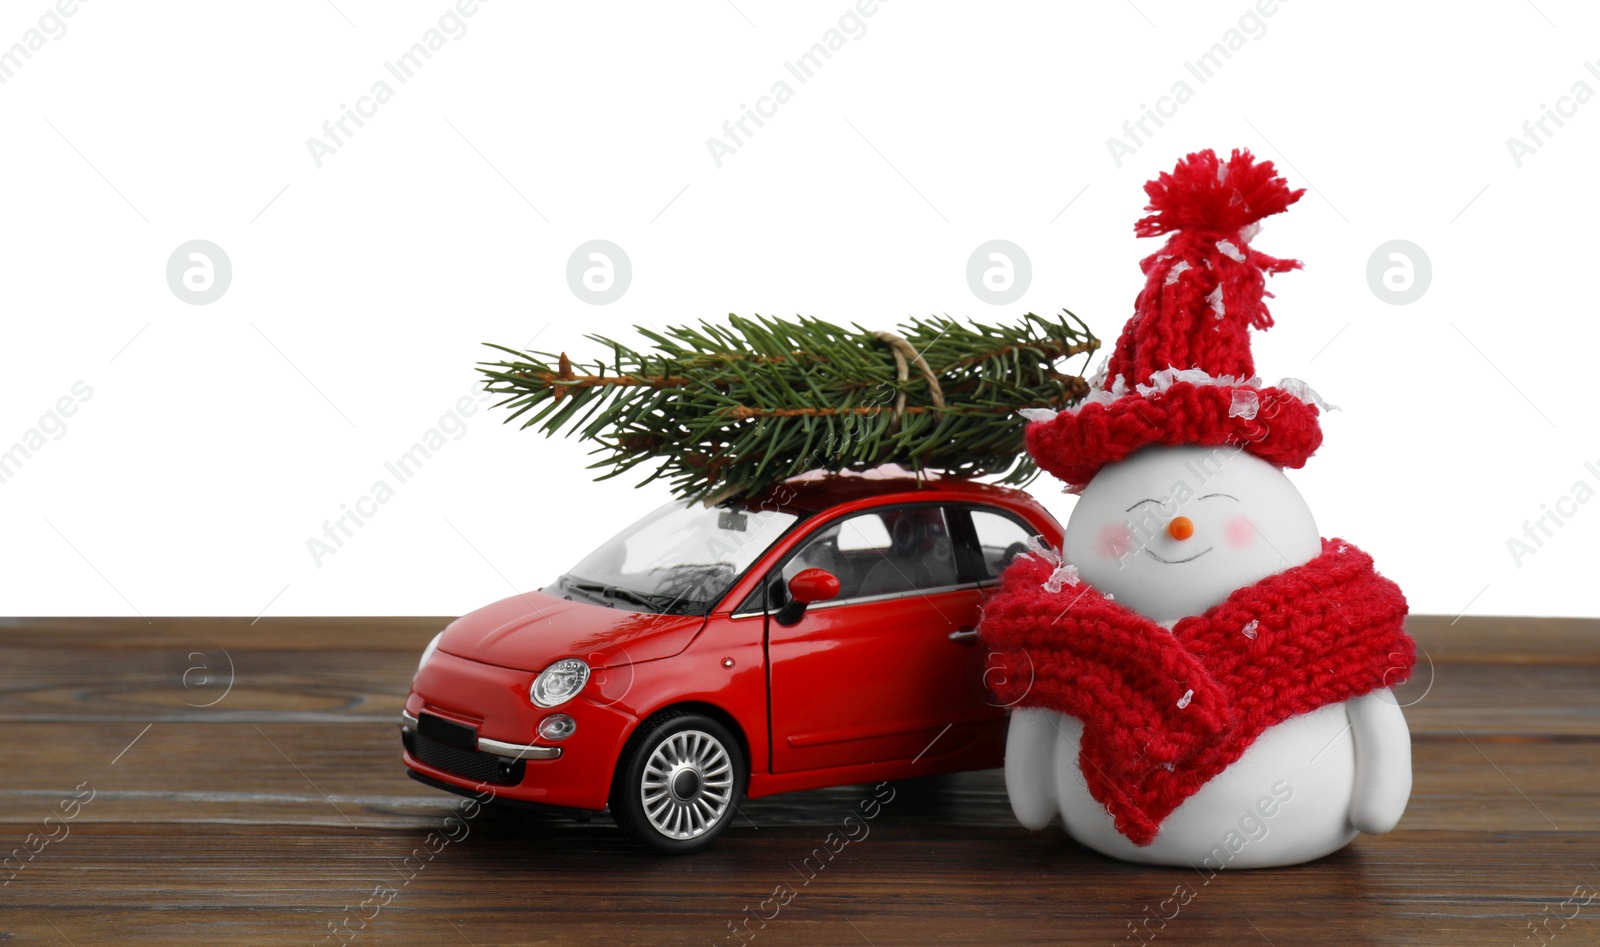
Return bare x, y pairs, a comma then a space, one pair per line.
220, 438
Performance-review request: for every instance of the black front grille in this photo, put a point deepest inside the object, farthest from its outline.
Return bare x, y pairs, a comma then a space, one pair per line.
468, 764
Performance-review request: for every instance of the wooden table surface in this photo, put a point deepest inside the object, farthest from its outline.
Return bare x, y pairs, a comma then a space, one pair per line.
225, 781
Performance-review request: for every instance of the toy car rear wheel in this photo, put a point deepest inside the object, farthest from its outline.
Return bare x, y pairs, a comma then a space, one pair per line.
678, 782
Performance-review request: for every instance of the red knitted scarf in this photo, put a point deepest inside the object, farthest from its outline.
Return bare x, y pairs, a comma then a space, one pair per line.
1163, 712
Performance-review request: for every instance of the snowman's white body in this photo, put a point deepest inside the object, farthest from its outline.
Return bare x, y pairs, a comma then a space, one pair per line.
1306, 786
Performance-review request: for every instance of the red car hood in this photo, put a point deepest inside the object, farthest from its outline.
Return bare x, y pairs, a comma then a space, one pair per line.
529, 631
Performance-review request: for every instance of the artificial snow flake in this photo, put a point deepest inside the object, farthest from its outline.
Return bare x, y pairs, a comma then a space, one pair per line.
1245, 403
1065, 574
1188, 696
1199, 377
1103, 395
1249, 629
1098, 379
1227, 249
1038, 547
1305, 393
1039, 414
1215, 299
1177, 270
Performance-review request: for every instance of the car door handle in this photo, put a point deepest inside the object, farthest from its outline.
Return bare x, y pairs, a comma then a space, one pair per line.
964, 635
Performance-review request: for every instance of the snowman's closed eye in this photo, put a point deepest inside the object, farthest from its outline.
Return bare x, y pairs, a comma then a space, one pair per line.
1162, 502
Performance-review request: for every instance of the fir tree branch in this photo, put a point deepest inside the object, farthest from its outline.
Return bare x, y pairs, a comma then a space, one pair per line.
734, 408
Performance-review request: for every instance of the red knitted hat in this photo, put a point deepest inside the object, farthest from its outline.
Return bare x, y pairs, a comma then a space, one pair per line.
1181, 372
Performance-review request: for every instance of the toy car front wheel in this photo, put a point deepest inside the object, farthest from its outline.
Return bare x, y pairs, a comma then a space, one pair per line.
678, 781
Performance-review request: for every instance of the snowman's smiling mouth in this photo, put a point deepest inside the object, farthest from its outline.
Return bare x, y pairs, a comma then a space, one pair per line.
1173, 562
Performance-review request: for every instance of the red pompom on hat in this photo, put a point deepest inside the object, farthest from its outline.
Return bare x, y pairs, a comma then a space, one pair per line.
1181, 372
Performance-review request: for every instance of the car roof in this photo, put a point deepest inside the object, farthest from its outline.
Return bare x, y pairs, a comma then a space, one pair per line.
817, 491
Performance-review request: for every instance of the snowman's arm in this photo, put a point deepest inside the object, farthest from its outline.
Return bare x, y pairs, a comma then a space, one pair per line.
1383, 761
1031, 766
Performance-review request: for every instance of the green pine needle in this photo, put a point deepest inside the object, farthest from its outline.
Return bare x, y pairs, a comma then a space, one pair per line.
733, 408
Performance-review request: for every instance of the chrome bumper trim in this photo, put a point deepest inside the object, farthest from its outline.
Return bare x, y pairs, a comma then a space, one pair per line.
517, 751
510, 751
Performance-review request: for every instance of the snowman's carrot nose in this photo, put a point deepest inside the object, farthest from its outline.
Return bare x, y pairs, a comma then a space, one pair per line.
1181, 527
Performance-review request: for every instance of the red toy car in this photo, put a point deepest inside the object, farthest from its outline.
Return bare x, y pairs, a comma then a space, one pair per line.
818, 634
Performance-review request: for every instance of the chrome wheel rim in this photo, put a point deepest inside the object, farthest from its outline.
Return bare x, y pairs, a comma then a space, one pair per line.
687, 785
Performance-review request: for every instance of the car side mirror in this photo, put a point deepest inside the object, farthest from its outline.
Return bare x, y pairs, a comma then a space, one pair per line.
808, 587
813, 585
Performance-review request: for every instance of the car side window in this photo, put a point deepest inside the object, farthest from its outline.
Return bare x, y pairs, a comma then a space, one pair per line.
1000, 539
882, 552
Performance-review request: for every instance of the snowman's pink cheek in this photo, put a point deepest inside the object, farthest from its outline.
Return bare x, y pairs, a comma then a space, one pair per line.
1241, 532
1116, 541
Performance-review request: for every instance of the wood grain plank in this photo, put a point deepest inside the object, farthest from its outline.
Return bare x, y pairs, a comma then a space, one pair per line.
261, 817
289, 774
1472, 638
564, 884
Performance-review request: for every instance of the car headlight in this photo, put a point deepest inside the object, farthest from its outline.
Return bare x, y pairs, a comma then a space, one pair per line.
559, 683
429, 650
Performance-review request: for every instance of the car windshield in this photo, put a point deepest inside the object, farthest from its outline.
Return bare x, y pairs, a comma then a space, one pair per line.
680, 559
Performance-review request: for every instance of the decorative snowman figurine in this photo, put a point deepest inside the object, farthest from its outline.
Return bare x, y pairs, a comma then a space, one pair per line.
1200, 680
